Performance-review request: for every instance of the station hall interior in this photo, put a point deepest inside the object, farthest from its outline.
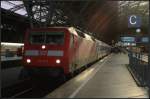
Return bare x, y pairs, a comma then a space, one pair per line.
75, 49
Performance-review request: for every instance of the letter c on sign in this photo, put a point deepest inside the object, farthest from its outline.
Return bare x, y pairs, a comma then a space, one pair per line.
131, 21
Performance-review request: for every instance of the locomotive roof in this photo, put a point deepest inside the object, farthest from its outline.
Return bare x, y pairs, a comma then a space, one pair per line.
88, 37
73, 31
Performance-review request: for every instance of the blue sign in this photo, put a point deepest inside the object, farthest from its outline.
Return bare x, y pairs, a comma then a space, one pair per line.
142, 40
134, 21
128, 39
145, 40
139, 39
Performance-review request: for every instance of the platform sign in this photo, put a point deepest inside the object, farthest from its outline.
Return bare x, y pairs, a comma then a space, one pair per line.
128, 39
136, 39
145, 40
142, 40
134, 21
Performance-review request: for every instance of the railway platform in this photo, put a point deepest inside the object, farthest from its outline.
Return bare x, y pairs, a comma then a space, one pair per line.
10, 62
10, 69
3, 58
108, 78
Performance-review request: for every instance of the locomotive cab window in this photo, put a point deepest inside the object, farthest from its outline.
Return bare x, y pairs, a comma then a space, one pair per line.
37, 39
52, 38
55, 38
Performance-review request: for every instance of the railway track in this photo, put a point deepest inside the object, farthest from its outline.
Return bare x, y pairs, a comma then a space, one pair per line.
30, 89
35, 89
15, 88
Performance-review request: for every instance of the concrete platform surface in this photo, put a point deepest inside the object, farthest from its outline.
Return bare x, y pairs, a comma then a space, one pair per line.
108, 78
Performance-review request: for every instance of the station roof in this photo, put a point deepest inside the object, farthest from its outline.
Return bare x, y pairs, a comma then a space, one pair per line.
137, 7
94, 16
14, 6
19, 8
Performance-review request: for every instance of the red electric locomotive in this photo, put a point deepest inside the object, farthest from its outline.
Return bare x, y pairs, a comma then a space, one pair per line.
59, 51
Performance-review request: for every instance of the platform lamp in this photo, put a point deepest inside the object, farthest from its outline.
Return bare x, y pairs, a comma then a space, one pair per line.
138, 30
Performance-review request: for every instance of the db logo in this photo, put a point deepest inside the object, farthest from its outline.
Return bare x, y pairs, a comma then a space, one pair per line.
134, 21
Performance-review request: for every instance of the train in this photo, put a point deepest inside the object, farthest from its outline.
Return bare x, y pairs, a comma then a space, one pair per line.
59, 51
9, 49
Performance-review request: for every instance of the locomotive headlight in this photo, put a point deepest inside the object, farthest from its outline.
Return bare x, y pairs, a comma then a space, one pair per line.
58, 61
28, 60
43, 46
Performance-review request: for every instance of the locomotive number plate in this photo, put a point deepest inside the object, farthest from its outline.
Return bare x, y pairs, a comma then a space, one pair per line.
43, 61
43, 53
